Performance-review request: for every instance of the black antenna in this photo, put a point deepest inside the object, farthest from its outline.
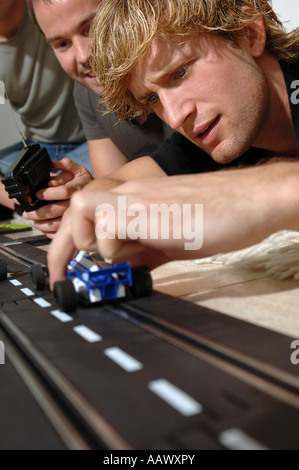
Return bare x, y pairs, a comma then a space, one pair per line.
15, 121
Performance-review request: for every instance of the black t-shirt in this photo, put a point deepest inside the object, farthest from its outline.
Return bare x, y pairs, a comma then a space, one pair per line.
178, 155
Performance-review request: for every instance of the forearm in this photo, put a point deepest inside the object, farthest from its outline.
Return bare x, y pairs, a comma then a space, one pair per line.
240, 206
247, 205
105, 157
144, 167
103, 184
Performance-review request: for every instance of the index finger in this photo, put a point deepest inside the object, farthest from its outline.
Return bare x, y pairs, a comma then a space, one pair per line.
62, 250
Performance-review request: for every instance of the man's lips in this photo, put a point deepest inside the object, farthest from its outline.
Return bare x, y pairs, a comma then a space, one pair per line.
203, 131
85, 73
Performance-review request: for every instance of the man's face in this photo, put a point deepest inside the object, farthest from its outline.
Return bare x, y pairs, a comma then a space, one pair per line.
207, 89
65, 24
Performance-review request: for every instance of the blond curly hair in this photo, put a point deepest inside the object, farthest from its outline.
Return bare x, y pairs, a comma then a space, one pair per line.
123, 30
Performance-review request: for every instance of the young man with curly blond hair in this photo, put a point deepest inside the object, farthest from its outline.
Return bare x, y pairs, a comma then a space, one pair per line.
224, 74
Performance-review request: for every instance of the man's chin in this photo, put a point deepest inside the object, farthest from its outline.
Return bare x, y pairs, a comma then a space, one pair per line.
224, 156
224, 159
91, 84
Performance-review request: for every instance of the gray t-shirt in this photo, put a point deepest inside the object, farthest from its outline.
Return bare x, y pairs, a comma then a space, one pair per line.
132, 139
38, 88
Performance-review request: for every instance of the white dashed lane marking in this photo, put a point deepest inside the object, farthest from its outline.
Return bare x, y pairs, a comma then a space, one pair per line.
42, 302
62, 316
87, 334
175, 397
27, 291
236, 439
124, 360
15, 282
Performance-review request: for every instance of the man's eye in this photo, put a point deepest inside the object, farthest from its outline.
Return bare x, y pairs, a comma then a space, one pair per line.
153, 99
60, 45
181, 72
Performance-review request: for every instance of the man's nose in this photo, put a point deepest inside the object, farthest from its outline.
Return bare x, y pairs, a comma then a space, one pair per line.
81, 45
176, 108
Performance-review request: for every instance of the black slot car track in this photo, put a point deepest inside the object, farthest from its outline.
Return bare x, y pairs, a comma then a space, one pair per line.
150, 373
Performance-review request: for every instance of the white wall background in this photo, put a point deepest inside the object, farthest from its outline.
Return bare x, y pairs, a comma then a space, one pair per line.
288, 11
9, 133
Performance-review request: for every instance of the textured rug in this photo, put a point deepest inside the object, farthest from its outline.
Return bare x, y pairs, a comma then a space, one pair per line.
277, 255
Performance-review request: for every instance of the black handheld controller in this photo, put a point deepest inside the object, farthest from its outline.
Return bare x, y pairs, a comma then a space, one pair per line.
29, 172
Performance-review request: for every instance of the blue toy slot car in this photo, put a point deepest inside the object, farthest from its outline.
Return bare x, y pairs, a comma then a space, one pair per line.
91, 280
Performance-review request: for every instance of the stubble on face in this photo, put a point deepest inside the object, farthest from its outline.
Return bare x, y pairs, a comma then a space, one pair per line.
245, 122
224, 83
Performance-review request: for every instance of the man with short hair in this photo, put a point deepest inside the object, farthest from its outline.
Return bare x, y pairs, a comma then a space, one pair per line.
224, 74
38, 90
65, 25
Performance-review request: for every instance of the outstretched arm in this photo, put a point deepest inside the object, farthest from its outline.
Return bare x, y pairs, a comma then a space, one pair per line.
240, 207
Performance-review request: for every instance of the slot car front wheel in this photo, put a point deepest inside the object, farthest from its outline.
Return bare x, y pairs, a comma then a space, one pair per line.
66, 295
142, 282
38, 276
3, 270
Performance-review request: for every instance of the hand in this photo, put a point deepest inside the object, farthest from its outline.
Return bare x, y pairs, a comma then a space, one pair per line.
63, 248
72, 177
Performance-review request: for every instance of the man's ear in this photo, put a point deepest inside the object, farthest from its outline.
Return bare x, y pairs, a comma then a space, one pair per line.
256, 35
